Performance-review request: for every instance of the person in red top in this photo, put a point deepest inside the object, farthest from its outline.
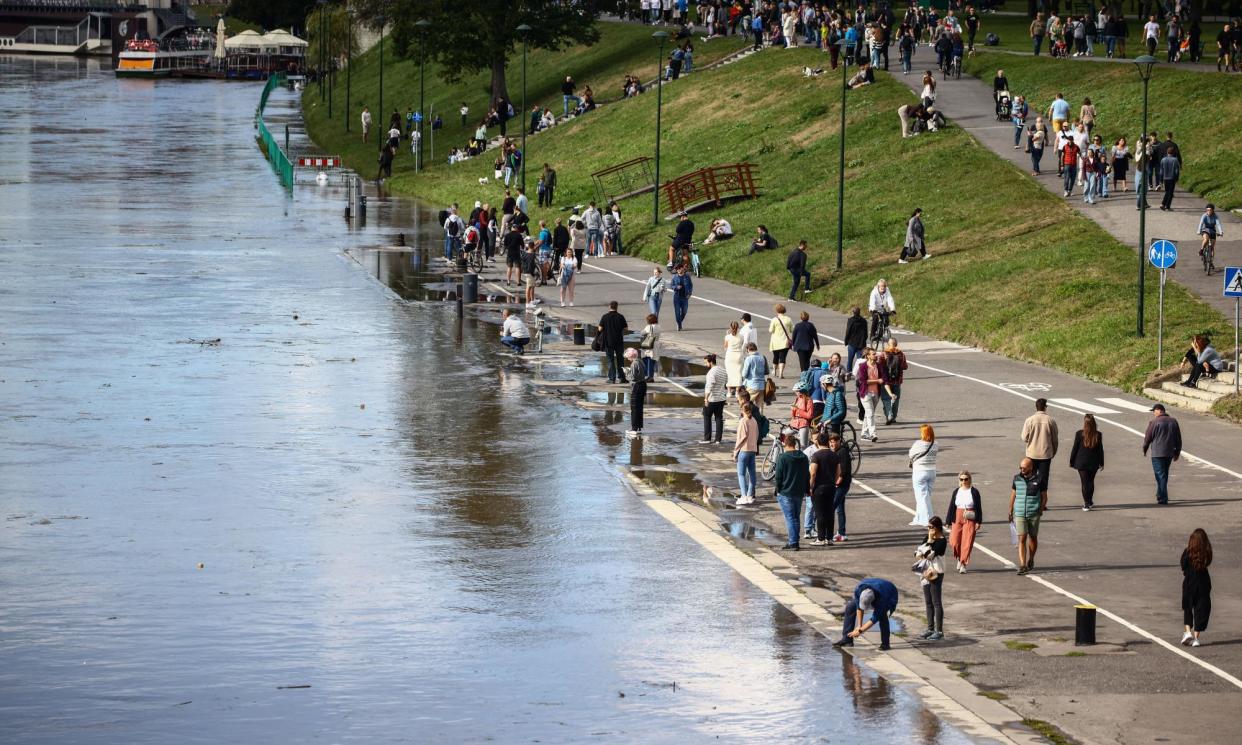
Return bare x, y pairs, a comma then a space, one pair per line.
801, 414
1069, 165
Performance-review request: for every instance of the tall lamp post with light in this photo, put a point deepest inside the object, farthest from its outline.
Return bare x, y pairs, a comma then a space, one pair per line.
381, 20
660, 37
841, 163
331, 63
1144, 65
323, 47
349, 60
422, 25
523, 31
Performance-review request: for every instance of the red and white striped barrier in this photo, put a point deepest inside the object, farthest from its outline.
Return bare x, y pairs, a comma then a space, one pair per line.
319, 161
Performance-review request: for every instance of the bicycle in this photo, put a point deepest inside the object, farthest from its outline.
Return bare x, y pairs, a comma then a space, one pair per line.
474, 257
955, 68
880, 324
1208, 254
767, 469
536, 333
849, 440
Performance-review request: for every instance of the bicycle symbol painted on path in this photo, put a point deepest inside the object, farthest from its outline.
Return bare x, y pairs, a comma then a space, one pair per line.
1028, 387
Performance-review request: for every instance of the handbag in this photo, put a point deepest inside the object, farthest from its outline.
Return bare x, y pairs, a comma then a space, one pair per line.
970, 515
769, 391
597, 344
910, 463
648, 341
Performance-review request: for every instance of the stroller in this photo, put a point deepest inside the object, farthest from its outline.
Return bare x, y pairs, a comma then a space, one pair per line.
1004, 106
1059, 50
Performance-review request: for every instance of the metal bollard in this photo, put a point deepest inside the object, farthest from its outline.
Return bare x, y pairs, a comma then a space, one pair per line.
579, 334
470, 287
1084, 625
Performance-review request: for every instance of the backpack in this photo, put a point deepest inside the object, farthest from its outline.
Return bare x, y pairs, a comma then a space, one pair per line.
452, 228
805, 378
762, 421
894, 366
991, 40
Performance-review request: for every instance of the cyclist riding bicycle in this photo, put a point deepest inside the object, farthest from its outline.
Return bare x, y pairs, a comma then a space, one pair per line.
682, 238
1210, 228
882, 309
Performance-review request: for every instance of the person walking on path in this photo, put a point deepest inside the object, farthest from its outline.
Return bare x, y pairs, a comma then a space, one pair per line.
922, 464
653, 291
879, 596
780, 338
683, 288
932, 553
1163, 443
594, 222
870, 377
1036, 141
792, 481
366, 124
612, 328
855, 337
745, 450
895, 364
638, 392
825, 478
735, 350
1087, 458
1039, 432
964, 517
844, 481
715, 394
796, 264
754, 375
649, 347
805, 340
1170, 171
1196, 587
569, 277
749, 333
1038, 29
1027, 501
914, 245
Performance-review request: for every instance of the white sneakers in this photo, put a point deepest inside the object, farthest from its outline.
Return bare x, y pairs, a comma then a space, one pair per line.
744, 502
1187, 637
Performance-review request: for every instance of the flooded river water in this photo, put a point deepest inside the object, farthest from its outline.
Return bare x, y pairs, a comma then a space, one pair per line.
248, 495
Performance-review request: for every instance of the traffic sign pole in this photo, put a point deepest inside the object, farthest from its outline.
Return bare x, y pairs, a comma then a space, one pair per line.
1163, 256
1160, 325
1233, 289
1237, 372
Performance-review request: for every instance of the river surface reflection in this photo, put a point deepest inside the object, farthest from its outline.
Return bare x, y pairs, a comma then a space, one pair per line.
250, 496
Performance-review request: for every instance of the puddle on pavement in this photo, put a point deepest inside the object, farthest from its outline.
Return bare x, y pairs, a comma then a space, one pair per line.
622, 398
673, 483
744, 529
416, 275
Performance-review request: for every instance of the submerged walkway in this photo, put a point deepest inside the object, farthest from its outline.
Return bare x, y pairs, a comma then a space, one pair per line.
968, 104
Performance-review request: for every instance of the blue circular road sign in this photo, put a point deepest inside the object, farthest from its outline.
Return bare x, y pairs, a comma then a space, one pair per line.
1163, 254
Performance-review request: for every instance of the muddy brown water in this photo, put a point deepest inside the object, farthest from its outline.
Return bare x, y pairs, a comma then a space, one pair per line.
349, 519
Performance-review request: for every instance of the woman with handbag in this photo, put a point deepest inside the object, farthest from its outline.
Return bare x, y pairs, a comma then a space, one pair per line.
781, 332
734, 352
653, 291
964, 517
931, 567
647, 347
923, 473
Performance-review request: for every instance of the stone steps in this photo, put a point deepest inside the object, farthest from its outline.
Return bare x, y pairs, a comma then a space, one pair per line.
1200, 398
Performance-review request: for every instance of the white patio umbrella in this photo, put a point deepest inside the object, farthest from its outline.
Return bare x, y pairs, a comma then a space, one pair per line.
220, 39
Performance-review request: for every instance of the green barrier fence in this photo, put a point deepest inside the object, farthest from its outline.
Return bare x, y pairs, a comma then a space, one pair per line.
275, 155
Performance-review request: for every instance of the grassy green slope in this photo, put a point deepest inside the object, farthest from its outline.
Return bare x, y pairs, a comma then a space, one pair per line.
622, 49
1200, 108
1014, 33
1015, 269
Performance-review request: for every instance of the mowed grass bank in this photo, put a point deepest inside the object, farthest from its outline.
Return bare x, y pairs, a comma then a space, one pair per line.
622, 49
1202, 109
1015, 270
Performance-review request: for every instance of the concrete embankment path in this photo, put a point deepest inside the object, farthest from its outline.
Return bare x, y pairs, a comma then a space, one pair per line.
1009, 634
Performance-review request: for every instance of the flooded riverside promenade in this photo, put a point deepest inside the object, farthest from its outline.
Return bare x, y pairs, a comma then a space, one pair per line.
249, 495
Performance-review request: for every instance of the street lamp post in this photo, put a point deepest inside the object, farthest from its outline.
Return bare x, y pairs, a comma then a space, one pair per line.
322, 48
523, 31
1144, 65
841, 166
331, 68
421, 25
661, 37
349, 61
380, 111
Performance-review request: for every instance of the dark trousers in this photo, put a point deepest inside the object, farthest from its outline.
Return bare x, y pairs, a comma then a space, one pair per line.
638, 396
821, 502
851, 612
1042, 468
681, 306
578, 254
1087, 476
933, 605
714, 411
804, 359
1196, 610
1167, 201
1160, 467
797, 277
616, 365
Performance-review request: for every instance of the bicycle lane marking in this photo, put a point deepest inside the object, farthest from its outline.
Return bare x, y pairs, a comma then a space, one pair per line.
1190, 457
1049, 585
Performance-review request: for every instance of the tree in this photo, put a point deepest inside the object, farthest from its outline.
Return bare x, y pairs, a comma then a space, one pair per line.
271, 14
479, 35
338, 28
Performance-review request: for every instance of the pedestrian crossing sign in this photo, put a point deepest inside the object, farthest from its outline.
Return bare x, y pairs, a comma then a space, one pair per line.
1233, 281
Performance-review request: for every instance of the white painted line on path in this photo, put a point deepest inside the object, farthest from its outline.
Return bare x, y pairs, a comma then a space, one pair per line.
1122, 403
1189, 456
1089, 408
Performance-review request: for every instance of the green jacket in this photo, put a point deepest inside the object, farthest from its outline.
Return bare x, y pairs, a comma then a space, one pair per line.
793, 473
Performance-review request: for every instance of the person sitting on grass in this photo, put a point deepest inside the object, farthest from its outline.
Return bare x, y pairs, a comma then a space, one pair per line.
763, 241
864, 76
719, 231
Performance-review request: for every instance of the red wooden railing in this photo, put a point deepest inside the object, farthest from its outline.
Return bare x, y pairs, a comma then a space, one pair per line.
709, 186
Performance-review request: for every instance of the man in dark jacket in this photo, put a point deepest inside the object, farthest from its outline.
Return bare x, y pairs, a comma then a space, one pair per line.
872, 594
796, 264
793, 482
1164, 441
1170, 171
683, 288
855, 337
613, 327
894, 361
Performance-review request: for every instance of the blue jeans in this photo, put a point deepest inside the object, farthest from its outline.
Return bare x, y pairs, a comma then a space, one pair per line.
516, 344
1111, 43
1089, 186
838, 504
680, 306
797, 277
1161, 468
1018, 129
1071, 174
905, 61
791, 506
890, 402
576, 101
852, 353
1036, 155
1140, 181
654, 302
452, 244
1039, 42
809, 523
595, 241
746, 474
851, 613
875, 57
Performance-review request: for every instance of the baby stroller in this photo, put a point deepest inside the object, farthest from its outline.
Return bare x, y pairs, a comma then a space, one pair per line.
1060, 50
1004, 106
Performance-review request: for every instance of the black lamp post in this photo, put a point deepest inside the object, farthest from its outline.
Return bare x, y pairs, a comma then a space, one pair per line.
1144, 65
349, 61
523, 31
421, 25
322, 48
331, 66
661, 37
841, 165
381, 113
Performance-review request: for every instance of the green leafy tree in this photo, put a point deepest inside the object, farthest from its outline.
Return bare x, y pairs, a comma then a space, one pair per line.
480, 35
270, 14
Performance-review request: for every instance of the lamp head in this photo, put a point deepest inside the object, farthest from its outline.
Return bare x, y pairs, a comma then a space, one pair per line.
660, 36
422, 24
1144, 65
523, 29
